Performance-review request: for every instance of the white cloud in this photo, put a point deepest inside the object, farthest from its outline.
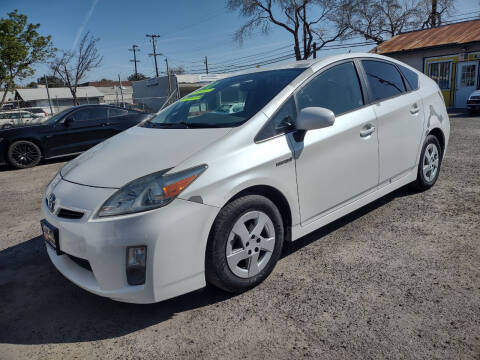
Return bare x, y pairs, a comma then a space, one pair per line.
84, 23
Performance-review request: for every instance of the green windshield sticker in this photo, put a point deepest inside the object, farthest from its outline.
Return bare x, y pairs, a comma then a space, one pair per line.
191, 98
202, 91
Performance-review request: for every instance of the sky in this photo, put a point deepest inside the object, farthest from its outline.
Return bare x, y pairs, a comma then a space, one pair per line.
189, 30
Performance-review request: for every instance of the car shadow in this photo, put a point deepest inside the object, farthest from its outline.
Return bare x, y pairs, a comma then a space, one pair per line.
39, 306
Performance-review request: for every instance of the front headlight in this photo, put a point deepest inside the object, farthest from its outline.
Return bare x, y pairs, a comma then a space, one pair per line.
149, 192
52, 184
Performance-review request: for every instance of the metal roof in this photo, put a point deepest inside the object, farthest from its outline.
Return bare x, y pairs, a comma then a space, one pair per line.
58, 93
453, 34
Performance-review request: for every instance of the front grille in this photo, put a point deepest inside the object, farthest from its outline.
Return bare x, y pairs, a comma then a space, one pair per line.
80, 262
475, 97
69, 214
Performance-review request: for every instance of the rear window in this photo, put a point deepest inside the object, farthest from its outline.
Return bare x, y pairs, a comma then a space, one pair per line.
410, 76
383, 78
112, 112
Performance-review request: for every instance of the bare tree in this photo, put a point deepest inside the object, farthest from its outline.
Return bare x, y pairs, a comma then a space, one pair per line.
308, 21
379, 20
73, 66
432, 12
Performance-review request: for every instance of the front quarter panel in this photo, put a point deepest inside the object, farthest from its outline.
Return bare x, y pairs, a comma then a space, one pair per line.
236, 163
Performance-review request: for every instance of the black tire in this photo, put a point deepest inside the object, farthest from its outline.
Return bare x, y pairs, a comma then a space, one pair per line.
217, 270
24, 154
422, 183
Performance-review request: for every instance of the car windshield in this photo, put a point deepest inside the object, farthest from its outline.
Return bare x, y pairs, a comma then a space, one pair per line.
212, 105
55, 118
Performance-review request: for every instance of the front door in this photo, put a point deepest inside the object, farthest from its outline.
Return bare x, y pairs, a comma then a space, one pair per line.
465, 82
336, 164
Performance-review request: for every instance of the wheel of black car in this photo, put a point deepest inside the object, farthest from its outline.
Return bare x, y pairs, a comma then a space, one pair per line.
245, 243
429, 164
24, 154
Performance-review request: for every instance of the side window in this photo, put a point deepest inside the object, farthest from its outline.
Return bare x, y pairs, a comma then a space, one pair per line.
116, 112
411, 76
337, 89
90, 114
383, 78
281, 122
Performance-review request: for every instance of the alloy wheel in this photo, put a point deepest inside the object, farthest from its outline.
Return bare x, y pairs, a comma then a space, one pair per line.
431, 160
25, 154
250, 244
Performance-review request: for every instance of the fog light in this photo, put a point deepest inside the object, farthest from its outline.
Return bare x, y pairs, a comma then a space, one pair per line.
136, 265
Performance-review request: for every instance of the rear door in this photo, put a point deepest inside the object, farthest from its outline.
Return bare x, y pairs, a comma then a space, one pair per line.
84, 129
400, 118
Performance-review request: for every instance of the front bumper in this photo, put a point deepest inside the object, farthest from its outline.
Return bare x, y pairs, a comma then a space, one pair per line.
175, 236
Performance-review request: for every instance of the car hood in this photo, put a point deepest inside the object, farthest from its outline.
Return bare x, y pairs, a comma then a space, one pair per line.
476, 93
137, 152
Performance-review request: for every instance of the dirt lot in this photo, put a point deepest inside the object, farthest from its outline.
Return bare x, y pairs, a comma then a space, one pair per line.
399, 278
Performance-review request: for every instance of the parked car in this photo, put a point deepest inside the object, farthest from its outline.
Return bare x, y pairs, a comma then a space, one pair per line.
194, 197
12, 118
473, 102
39, 111
67, 133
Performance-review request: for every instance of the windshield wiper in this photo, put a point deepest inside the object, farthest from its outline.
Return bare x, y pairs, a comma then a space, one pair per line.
168, 125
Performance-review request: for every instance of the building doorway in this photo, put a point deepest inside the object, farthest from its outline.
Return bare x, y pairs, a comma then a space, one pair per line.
465, 82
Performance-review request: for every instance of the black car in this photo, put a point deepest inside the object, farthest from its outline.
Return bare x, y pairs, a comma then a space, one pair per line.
67, 133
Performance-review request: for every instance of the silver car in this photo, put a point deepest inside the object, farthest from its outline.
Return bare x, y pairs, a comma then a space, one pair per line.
195, 195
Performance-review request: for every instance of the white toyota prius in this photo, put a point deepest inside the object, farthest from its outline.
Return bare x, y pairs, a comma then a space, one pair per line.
198, 195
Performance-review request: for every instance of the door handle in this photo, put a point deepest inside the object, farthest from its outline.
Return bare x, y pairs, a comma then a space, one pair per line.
367, 130
414, 109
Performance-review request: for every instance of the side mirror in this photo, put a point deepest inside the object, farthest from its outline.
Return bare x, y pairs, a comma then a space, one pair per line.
312, 118
67, 121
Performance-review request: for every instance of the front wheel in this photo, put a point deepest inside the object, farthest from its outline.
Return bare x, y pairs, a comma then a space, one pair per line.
429, 165
24, 154
245, 244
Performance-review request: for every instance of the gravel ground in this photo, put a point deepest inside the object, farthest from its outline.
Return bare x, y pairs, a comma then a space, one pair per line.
400, 278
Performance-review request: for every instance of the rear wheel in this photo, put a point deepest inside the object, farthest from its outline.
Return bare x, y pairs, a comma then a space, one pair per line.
429, 165
245, 244
24, 154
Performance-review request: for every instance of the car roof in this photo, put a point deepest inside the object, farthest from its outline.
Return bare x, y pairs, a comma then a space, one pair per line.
314, 63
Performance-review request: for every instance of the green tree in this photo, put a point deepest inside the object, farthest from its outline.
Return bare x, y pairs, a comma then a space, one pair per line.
31, 85
53, 81
137, 77
21, 47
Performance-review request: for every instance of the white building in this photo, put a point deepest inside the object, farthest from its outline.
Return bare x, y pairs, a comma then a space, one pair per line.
61, 98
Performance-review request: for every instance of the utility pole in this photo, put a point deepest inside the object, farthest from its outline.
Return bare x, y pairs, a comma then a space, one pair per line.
153, 37
135, 49
206, 64
314, 50
48, 95
121, 90
168, 74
